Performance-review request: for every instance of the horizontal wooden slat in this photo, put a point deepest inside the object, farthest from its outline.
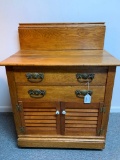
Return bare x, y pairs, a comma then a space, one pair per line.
40, 121
80, 122
39, 117
82, 110
81, 118
81, 114
68, 125
39, 110
40, 125
81, 130
39, 113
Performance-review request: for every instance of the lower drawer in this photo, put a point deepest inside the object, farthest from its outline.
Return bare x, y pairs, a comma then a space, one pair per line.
59, 93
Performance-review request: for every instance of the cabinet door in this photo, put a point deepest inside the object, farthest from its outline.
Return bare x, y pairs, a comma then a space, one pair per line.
80, 119
40, 118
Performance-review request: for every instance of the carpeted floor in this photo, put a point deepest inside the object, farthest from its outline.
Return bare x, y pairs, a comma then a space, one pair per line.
10, 151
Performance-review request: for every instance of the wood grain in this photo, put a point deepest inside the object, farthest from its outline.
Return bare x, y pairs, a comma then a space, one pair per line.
79, 122
61, 58
13, 94
38, 119
61, 143
108, 97
61, 75
59, 51
60, 93
61, 36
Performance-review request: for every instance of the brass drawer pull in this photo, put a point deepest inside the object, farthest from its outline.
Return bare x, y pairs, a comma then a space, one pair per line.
35, 77
37, 93
85, 77
82, 93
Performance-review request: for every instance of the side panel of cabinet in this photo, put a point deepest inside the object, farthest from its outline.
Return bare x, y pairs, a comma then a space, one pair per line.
40, 118
14, 98
81, 119
108, 96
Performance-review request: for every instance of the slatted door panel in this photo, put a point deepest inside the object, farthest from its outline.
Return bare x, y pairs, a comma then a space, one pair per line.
81, 119
40, 118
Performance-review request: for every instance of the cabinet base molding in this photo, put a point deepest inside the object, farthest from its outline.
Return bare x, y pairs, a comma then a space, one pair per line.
61, 142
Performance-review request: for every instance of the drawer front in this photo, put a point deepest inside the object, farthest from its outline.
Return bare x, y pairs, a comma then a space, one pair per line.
60, 75
59, 93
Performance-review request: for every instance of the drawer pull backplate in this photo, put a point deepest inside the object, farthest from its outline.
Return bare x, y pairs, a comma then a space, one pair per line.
82, 93
85, 77
35, 77
37, 93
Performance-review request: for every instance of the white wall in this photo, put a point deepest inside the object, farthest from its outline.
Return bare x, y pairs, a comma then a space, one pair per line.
13, 12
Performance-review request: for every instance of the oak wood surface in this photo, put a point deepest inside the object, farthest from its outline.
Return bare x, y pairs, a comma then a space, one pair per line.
77, 120
13, 94
60, 93
60, 50
61, 136
40, 118
55, 36
61, 143
108, 97
61, 58
61, 75
62, 25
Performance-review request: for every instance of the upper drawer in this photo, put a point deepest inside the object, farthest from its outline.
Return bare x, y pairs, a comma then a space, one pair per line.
60, 75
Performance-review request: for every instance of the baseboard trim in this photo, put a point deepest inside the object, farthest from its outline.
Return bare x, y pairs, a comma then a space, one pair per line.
5, 109
114, 109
